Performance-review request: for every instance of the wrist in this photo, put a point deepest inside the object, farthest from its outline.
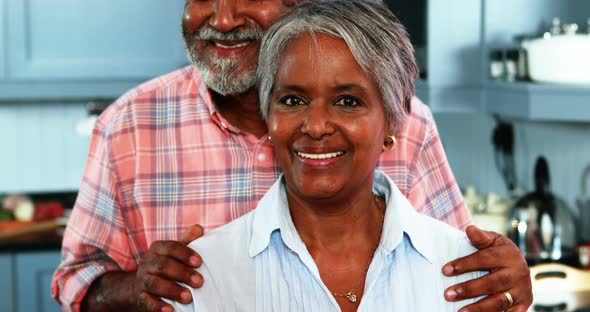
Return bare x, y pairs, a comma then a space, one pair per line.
111, 291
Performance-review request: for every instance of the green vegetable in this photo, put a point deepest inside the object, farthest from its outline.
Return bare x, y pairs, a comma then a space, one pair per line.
5, 215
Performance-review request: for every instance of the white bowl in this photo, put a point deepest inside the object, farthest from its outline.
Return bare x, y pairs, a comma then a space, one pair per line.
563, 59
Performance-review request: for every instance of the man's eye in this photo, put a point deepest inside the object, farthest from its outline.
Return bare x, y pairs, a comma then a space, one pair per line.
291, 100
348, 101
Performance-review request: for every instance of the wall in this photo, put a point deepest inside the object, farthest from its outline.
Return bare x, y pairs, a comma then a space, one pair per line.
41, 150
467, 141
39, 142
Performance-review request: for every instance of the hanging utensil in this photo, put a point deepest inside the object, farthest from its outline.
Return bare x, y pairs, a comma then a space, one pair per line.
583, 202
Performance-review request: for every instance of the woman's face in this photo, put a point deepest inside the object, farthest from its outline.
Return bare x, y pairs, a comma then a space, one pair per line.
326, 119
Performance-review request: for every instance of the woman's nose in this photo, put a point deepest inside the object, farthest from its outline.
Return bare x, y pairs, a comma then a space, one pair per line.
227, 16
317, 122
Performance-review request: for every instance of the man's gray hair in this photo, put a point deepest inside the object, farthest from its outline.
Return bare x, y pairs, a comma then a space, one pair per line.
375, 37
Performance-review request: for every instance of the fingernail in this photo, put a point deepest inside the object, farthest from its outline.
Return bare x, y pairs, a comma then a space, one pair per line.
166, 309
196, 280
448, 269
451, 294
186, 296
194, 261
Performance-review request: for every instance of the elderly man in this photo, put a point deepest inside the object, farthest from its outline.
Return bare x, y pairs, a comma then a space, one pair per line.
190, 147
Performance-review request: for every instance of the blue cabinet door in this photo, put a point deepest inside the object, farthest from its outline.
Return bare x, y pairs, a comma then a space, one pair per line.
34, 272
92, 40
6, 282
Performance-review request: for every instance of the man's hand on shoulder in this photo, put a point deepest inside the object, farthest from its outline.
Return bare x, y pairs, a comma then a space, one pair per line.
159, 270
165, 264
509, 275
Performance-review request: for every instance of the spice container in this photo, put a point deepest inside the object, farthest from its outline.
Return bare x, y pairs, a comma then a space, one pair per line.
555, 26
496, 65
511, 65
522, 66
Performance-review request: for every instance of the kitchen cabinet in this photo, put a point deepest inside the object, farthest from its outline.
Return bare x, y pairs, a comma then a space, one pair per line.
26, 278
86, 49
33, 274
7, 282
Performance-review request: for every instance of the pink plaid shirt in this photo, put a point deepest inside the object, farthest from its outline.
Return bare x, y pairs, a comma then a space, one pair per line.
162, 158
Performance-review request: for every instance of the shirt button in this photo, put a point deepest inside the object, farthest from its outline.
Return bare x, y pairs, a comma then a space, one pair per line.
261, 157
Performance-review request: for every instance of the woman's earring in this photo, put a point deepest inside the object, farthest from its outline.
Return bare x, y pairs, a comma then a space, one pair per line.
390, 144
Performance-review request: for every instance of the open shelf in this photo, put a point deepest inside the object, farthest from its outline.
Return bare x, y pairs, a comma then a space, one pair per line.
539, 102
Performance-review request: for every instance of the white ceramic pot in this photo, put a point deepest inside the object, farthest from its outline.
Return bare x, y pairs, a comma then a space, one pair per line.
563, 59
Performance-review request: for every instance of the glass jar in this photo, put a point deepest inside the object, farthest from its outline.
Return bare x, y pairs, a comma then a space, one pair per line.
496, 65
511, 65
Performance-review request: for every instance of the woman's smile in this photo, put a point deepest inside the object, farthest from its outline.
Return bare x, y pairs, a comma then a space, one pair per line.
320, 156
319, 159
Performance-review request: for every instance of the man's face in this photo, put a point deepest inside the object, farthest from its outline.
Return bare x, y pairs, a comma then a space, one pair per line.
223, 38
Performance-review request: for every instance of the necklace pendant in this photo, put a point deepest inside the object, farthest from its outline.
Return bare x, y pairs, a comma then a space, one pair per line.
351, 296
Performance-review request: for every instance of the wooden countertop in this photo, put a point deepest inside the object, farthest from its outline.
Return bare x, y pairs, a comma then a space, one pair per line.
30, 236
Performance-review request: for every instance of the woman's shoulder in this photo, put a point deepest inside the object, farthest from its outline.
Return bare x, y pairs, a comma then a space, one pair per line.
443, 242
226, 268
231, 239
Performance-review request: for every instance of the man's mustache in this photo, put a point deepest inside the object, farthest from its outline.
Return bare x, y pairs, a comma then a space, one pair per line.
255, 33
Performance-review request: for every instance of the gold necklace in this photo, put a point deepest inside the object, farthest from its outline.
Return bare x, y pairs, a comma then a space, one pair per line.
350, 295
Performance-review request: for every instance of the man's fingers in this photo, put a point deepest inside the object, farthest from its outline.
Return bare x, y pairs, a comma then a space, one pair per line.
157, 287
173, 270
193, 232
492, 283
177, 251
481, 260
497, 302
147, 302
480, 238
519, 308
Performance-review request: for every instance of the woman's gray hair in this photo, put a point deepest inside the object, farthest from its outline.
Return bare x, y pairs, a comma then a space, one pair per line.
375, 37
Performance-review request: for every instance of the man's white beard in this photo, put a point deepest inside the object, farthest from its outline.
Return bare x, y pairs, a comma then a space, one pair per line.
223, 76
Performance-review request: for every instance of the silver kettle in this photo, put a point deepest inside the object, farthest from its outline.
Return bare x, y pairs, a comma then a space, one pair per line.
541, 225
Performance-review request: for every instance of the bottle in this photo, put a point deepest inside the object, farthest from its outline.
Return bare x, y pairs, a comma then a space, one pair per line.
522, 66
555, 26
511, 65
496, 65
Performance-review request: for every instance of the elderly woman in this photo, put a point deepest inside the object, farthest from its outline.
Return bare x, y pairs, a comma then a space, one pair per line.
332, 234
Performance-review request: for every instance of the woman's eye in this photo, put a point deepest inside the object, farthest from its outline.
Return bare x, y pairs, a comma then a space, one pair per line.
291, 100
348, 101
